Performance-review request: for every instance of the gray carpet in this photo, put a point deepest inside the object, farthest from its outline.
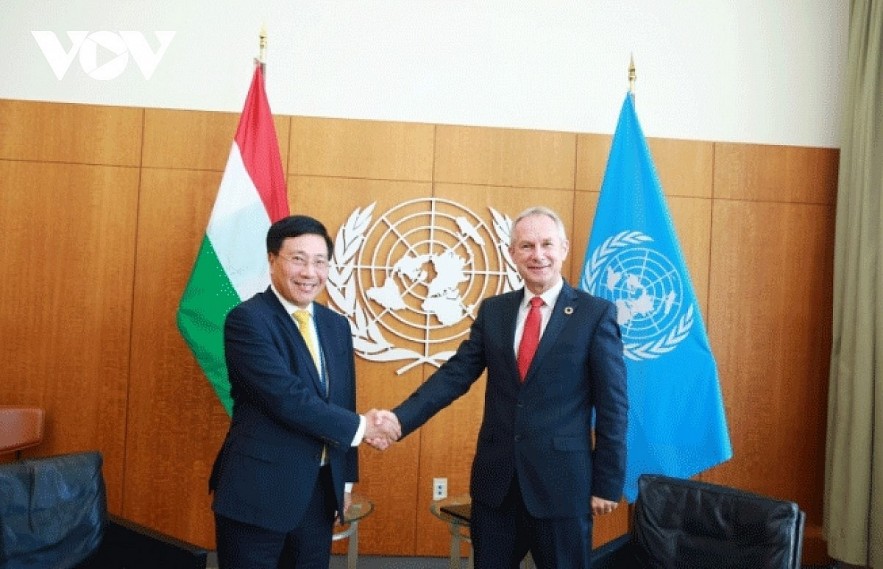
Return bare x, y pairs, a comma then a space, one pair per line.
370, 562
373, 562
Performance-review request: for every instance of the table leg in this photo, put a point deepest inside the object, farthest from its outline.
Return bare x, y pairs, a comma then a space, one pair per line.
352, 550
455, 546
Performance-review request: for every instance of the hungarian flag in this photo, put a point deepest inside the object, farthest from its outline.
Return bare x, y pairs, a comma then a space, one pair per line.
676, 423
231, 265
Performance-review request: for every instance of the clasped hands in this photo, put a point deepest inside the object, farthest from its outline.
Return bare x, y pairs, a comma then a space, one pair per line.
382, 428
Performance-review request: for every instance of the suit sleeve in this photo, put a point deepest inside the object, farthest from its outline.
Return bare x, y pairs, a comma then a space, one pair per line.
258, 368
453, 379
351, 468
610, 395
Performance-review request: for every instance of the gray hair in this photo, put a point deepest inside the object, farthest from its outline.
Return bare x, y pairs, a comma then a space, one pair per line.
539, 210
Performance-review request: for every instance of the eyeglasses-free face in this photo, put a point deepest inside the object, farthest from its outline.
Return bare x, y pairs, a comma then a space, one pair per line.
538, 251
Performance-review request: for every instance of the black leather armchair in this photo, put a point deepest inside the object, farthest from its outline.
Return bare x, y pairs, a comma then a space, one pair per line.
53, 516
686, 524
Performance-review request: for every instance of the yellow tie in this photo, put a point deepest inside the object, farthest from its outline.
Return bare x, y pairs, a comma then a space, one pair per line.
303, 324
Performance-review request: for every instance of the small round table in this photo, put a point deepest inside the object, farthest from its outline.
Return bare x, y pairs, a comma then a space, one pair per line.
457, 512
360, 508
458, 524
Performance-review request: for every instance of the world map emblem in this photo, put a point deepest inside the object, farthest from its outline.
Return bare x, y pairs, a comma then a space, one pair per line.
410, 281
653, 309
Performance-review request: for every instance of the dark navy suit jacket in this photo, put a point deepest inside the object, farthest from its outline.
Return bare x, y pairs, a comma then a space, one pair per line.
268, 465
541, 429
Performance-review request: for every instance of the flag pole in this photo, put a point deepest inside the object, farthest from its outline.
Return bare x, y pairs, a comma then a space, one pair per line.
250, 198
262, 46
632, 75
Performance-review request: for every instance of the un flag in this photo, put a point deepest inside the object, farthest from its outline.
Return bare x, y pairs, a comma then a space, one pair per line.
677, 424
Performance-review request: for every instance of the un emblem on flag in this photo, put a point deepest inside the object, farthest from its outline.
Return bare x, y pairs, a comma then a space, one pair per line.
412, 280
653, 310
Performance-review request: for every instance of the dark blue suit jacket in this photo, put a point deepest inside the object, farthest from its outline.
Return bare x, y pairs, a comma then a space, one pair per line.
267, 467
541, 429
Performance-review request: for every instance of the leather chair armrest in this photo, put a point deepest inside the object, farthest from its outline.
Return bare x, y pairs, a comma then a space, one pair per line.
127, 545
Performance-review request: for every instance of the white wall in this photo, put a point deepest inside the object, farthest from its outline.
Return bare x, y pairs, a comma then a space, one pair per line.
726, 70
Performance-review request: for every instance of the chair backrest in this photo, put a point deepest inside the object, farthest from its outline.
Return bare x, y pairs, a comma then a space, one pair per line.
20, 428
53, 510
690, 524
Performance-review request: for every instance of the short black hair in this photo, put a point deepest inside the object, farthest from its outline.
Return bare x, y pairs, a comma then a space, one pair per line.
295, 226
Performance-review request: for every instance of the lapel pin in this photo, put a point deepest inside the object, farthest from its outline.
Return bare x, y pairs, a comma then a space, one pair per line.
568, 310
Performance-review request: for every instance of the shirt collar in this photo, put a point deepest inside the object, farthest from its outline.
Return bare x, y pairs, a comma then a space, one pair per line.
549, 297
289, 306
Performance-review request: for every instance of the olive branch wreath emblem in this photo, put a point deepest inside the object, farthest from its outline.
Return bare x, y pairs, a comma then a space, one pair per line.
368, 339
636, 351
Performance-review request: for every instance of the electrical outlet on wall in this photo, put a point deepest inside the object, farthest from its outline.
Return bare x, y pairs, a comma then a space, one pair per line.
439, 488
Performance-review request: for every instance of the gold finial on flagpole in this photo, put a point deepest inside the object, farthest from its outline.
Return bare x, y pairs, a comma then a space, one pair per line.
263, 44
632, 75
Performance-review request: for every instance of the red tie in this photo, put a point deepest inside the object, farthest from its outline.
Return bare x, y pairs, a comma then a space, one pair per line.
530, 338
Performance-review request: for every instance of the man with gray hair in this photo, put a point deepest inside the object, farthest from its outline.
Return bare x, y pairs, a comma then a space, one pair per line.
553, 356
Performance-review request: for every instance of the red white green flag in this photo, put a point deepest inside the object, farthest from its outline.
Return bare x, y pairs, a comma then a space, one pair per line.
231, 265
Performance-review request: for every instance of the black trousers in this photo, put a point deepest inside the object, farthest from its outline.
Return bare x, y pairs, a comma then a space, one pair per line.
307, 546
501, 537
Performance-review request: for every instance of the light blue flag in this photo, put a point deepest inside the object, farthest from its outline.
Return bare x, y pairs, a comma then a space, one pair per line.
676, 417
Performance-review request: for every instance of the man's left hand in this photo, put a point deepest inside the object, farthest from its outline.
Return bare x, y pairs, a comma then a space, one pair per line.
601, 506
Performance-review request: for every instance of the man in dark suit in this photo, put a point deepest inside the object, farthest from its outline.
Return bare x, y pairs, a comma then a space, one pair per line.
538, 477
280, 476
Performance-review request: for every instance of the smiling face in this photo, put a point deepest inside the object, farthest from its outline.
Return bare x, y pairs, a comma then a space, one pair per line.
538, 250
300, 269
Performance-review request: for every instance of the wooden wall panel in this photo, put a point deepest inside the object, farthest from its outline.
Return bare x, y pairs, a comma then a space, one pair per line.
197, 140
68, 259
448, 440
757, 172
176, 423
388, 479
92, 336
361, 149
505, 157
447, 447
592, 151
771, 330
83, 134
692, 223
584, 205
685, 167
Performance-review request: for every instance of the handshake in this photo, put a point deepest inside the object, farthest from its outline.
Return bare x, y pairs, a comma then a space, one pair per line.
382, 428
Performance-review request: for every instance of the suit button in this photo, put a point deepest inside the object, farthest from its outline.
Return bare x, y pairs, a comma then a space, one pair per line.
517, 438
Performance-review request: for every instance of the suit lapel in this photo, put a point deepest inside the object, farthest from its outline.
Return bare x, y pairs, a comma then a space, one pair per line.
302, 353
325, 334
508, 321
563, 310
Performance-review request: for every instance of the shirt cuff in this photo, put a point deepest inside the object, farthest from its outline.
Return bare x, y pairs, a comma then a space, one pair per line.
360, 432
348, 487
